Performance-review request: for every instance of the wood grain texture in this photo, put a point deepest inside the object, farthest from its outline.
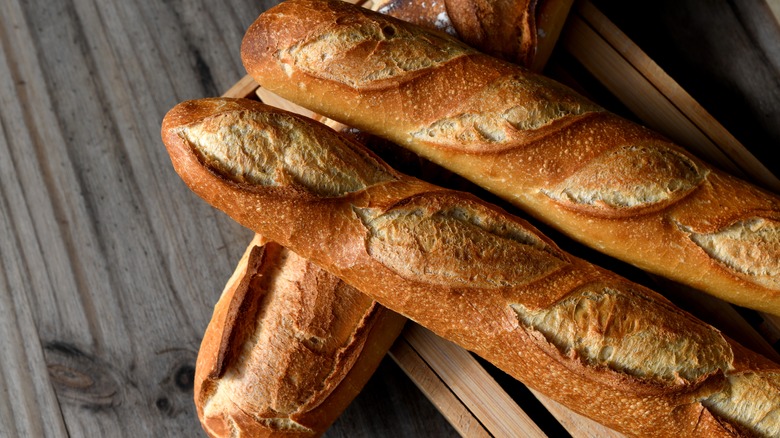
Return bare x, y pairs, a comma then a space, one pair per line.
409, 359
117, 308
111, 267
474, 386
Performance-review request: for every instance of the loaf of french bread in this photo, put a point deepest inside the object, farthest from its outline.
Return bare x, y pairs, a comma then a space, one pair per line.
602, 180
288, 348
505, 29
470, 272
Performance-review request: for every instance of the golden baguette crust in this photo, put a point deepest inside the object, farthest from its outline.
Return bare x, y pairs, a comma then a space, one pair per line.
610, 349
288, 348
600, 179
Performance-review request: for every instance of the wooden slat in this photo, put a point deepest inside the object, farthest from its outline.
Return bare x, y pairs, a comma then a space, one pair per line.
273, 99
28, 403
244, 88
774, 6
33, 257
551, 18
418, 370
472, 384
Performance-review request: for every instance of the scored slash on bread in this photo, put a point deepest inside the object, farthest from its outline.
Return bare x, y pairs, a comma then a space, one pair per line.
528, 140
613, 350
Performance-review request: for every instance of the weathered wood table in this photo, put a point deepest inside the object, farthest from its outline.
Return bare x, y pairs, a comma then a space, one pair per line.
111, 266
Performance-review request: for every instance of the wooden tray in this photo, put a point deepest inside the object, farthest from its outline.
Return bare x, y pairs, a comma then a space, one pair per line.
464, 390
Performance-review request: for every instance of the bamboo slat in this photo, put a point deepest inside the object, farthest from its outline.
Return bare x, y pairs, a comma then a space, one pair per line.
495, 409
426, 379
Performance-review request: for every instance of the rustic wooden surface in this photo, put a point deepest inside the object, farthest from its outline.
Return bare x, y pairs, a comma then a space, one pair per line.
110, 266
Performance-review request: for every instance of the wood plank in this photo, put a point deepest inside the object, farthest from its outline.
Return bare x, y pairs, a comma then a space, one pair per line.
33, 256
500, 415
415, 367
28, 403
110, 329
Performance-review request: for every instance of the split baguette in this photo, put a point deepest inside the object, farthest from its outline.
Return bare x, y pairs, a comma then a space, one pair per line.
602, 180
488, 281
288, 348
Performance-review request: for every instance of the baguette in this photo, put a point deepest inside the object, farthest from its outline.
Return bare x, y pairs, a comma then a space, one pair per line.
471, 273
503, 28
520, 31
288, 348
600, 179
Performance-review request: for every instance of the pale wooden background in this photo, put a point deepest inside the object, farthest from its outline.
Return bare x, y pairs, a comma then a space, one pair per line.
110, 266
